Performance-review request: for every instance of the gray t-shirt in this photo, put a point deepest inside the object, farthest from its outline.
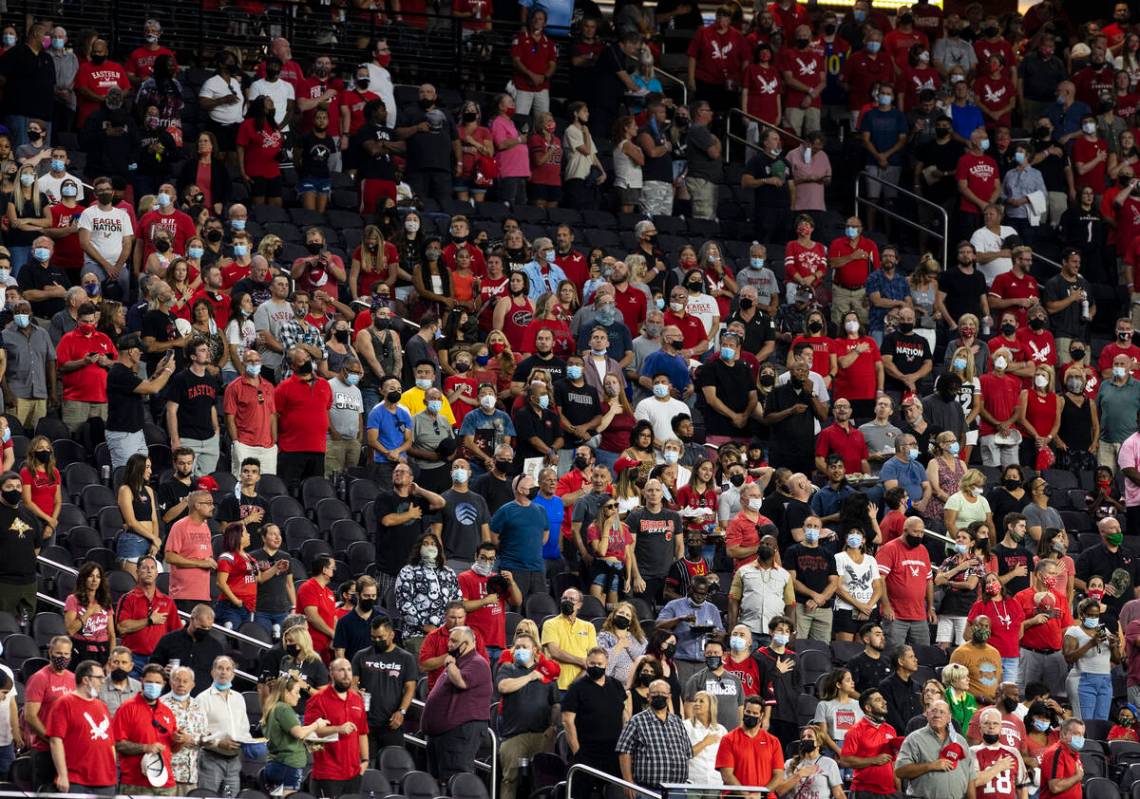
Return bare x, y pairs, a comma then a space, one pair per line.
463, 516
700, 139
1036, 516
818, 785
271, 316
880, 438
427, 433
347, 408
762, 279
727, 689
839, 718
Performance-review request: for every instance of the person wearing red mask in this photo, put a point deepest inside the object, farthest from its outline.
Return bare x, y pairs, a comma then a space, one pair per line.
1005, 615
805, 260
1046, 613
996, 94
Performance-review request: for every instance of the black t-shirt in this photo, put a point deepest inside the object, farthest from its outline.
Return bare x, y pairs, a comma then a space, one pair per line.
383, 675
31, 82
380, 167
1098, 560
394, 542
124, 406
528, 425
1067, 322
555, 366
159, 325
429, 150
868, 672
963, 292
34, 277
196, 397
496, 492
315, 154
908, 354
761, 166
757, 331
733, 384
170, 493
527, 709
272, 595
945, 158
814, 566
234, 509
795, 512
20, 539
1009, 558
579, 404
598, 711
656, 535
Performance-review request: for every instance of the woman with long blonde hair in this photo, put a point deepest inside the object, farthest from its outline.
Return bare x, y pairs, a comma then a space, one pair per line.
302, 662
374, 261
503, 362
281, 722
29, 216
929, 308
623, 639
705, 735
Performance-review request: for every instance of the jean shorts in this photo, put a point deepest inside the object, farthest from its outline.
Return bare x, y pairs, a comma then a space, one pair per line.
131, 546
311, 185
280, 774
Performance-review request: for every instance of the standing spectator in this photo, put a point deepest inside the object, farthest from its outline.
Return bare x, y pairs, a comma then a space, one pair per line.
657, 172
83, 357
908, 596
654, 747
511, 154
981, 660
192, 410
191, 722
287, 754
434, 152
804, 76
423, 590
999, 413
936, 759
1093, 647
352, 629
138, 506
144, 614
486, 595
706, 169
528, 696
870, 747
815, 579
219, 768
455, 713
520, 529
338, 766
582, 163
88, 616
717, 55
107, 235
316, 602
400, 514
545, 147
189, 553
276, 596
884, 132
751, 755
29, 377
125, 391
346, 419
684, 617
259, 140
715, 680
594, 714
1069, 299
979, 183
387, 678
303, 401
145, 733
1046, 612
251, 416
535, 58
705, 735
1061, 768
79, 728
46, 687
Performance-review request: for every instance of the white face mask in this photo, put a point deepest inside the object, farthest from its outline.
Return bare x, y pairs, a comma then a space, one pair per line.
851, 326
1000, 363
1041, 381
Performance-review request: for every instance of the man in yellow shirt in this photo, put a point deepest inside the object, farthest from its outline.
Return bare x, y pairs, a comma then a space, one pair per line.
414, 399
567, 639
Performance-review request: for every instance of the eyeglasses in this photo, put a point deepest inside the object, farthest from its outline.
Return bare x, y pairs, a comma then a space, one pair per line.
610, 505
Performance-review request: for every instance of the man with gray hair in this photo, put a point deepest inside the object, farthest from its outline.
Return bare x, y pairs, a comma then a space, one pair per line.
936, 759
649, 342
455, 714
191, 721
189, 552
269, 319
542, 271
346, 418
433, 443
140, 63
219, 768
68, 319
29, 377
192, 646
997, 760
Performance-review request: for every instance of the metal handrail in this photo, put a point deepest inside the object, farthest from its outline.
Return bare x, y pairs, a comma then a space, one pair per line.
181, 614
51, 600
944, 235
687, 788
492, 767
604, 777
729, 135
671, 77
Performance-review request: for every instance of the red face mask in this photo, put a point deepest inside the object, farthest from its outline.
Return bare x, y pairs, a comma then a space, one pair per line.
86, 329
1049, 582
688, 260
384, 60
498, 347
1096, 593
993, 589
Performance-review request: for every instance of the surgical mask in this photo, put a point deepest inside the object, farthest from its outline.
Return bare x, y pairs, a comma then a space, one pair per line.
574, 372
1091, 623
487, 401
854, 541
961, 549
660, 390
811, 535
851, 326
479, 567
68, 190
41, 254
237, 224
672, 456
959, 364
872, 47
1041, 381
152, 690
1077, 743
985, 145
423, 384
954, 448
737, 643
727, 353
851, 231
1119, 371
163, 198
754, 503
606, 314
1089, 128
241, 250
676, 307
757, 263
459, 475
1075, 385
9, 40
22, 319
544, 402
253, 369
435, 406
411, 226
523, 657
222, 686
195, 252
1041, 725
913, 453
57, 165
1019, 157
352, 379
429, 553
780, 639
1000, 362
885, 99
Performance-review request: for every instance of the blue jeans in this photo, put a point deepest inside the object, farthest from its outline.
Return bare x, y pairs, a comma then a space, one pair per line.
267, 620
7, 758
225, 611
19, 257
1010, 669
606, 458
280, 774
1095, 691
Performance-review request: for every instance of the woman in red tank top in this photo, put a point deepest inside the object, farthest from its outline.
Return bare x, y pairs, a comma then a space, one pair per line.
1038, 414
514, 312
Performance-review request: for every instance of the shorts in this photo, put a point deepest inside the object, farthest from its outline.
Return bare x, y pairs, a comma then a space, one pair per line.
278, 774
629, 196
950, 630
610, 578
131, 546
875, 189
265, 187
315, 186
844, 621
542, 191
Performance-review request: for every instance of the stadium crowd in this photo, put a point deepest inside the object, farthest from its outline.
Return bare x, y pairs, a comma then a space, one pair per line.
501, 412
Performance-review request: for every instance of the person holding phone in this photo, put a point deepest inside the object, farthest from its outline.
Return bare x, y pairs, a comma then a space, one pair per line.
125, 392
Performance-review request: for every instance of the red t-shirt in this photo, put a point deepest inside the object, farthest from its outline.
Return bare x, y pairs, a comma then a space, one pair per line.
135, 606
575, 266
995, 92
261, 149
1047, 635
303, 414
720, 56
916, 79
536, 55
141, 63
1084, 151
44, 487
489, 620
89, 383
549, 173
355, 100
905, 571
478, 263
1128, 227
1006, 616
135, 721
891, 526
339, 760
984, 49
897, 44
764, 89
849, 444
862, 71
854, 274
469, 387
311, 89
191, 541
1001, 394
981, 175
632, 303
177, 223
242, 580
313, 594
1008, 286
869, 740
84, 726
100, 80
822, 348
1040, 348
435, 644
807, 67
692, 329
788, 19
68, 253
1089, 83
857, 381
753, 759
219, 302
46, 687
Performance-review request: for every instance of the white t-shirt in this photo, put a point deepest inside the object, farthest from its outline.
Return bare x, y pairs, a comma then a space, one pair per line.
380, 83
107, 230
660, 415
6, 709
704, 307
50, 186
217, 87
280, 91
857, 579
986, 241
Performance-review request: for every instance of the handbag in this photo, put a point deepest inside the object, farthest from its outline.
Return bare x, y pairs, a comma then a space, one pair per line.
484, 171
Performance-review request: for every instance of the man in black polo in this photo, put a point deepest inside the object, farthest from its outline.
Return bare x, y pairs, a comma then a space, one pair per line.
42, 284
593, 714
193, 645
387, 676
579, 408
794, 409
543, 358
538, 427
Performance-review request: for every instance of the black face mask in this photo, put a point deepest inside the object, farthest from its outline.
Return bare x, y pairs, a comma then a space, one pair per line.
906, 328
942, 132
913, 541
162, 245
1008, 329
1077, 355
751, 722
767, 380
644, 679
622, 623
990, 737
659, 702
746, 303
212, 236
737, 480
12, 497
306, 368
815, 327
43, 455
470, 116
119, 675
989, 31
104, 197
581, 462
567, 607
1009, 704
1037, 323
393, 397
504, 466
1043, 132
380, 645
669, 651
829, 28
807, 745
365, 605
595, 672
426, 104
1011, 485
802, 43
341, 336
292, 650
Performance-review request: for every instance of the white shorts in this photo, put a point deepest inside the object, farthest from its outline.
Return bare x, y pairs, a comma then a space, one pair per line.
950, 630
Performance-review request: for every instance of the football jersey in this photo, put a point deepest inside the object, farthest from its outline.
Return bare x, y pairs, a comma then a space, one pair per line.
1002, 785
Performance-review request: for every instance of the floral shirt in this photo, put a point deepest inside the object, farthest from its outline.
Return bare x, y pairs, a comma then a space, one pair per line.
422, 594
191, 721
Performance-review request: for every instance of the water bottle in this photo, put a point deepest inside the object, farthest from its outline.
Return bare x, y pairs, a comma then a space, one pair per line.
106, 474
276, 632
1085, 309
985, 327
523, 786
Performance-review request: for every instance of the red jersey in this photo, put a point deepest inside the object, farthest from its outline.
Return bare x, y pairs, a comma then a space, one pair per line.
67, 253
177, 223
89, 383
1047, 635
1000, 393
140, 722
868, 740
905, 571
764, 89
575, 265
1039, 348
536, 55
242, 579
981, 175
311, 89
848, 444
303, 411
720, 57
134, 606
84, 726
863, 70
354, 101
313, 594
689, 497
747, 670
995, 93
1008, 286
807, 67
789, 19
858, 381
490, 620
1012, 733
261, 147
515, 322
100, 80
1090, 82
916, 80
1002, 785
822, 348
802, 262
141, 62
692, 329
1084, 151
897, 44
339, 760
